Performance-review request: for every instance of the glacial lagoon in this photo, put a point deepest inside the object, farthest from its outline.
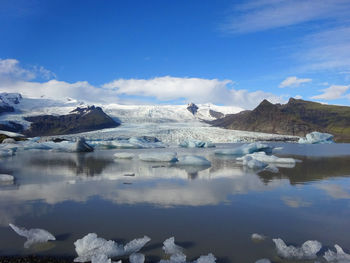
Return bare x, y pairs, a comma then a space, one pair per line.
212, 208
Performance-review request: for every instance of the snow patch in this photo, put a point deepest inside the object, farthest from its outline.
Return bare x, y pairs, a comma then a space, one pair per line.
34, 235
258, 237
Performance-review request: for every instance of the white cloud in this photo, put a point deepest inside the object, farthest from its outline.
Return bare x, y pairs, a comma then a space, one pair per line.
332, 93
261, 15
328, 49
191, 89
293, 82
10, 70
14, 78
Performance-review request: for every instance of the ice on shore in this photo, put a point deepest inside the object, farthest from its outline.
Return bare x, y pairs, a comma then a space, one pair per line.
6, 178
263, 260
317, 138
124, 155
308, 250
137, 258
158, 157
170, 247
91, 245
177, 255
339, 256
101, 258
193, 160
246, 149
196, 144
34, 235
257, 237
9, 140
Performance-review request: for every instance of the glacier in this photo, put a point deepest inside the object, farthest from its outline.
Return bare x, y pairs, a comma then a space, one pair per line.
34, 236
190, 143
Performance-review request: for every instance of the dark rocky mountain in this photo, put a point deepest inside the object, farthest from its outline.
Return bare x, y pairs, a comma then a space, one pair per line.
79, 120
193, 108
297, 117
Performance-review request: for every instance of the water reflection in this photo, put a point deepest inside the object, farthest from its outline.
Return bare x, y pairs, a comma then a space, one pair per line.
216, 208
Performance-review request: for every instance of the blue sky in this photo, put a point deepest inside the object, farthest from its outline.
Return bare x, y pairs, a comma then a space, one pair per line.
159, 51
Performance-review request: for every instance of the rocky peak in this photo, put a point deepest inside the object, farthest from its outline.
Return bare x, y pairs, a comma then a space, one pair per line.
193, 108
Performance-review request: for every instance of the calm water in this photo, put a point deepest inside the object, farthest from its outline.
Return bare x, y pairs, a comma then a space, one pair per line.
209, 209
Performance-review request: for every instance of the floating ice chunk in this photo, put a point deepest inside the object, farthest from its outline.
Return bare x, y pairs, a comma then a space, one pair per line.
263, 260
91, 245
82, 146
308, 250
9, 140
254, 163
124, 155
6, 178
339, 256
158, 157
263, 157
33, 236
194, 160
6, 152
101, 258
246, 149
196, 144
257, 237
210, 258
170, 247
317, 137
137, 258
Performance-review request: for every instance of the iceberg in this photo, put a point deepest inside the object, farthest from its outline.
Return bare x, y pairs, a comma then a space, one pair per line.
158, 157
6, 178
124, 155
263, 157
258, 237
82, 146
308, 250
131, 143
177, 255
101, 258
246, 149
9, 140
263, 260
193, 160
33, 236
6, 152
137, 258
196, 144
91, 245
170, 247
339, 256
317, 138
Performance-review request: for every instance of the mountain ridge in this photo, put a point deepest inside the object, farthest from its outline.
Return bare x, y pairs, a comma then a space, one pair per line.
297, 117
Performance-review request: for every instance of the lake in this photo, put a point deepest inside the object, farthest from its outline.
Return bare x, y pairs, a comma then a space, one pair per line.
207, 209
